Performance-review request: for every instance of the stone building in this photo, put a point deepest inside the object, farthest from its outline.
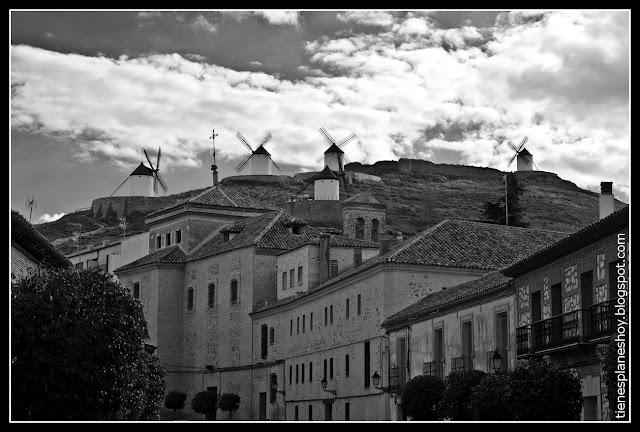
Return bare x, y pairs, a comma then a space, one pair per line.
565, 297
30, 250
364, 217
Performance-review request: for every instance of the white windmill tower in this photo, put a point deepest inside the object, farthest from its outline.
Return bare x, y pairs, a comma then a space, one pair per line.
334, 156
259, 161
144, 181
524, 158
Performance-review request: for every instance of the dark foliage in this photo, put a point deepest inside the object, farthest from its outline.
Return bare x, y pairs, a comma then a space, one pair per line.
175, 400
490, 398
609, 376
229, 402
495, 211
77, 350
457, 392
204, 403
421, 398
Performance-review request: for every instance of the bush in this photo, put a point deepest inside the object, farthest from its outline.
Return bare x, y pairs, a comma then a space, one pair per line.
204, 403
175, 400
457, 391
421, 398
77, 346
229, 402
490, 398
539, 392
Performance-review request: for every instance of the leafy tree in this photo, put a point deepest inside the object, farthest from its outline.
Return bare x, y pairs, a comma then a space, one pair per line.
539, 392
458, 388
490, 398
77, 350
609, 376
421, 398
175, 400
205, 403
229, 402
495, 211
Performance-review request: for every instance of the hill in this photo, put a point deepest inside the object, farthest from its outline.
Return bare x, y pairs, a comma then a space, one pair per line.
417, 194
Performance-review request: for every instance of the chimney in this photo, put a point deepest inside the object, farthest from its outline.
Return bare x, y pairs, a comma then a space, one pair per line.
325, 264
606, 199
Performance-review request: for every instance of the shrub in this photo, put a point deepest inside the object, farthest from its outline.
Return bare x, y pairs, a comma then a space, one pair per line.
204, 403
489, 400
229, 402
175, 400
421, 398
457, 391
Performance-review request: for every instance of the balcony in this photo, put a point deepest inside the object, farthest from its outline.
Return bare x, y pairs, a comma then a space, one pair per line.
397, 382
463, 363
434, 368
579, 326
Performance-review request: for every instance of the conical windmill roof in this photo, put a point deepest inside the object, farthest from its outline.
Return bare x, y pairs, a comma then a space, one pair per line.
334, 149
142, 170
326, 174
261, 150
524, 152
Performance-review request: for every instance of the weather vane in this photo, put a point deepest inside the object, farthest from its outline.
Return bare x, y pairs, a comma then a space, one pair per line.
214, 167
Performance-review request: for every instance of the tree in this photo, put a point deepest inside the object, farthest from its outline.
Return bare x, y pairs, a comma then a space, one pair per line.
421, 398
539, 392
205, 403
175, 400
609, 369
495, 211
229, 402
457, 391
490, 398
77, 350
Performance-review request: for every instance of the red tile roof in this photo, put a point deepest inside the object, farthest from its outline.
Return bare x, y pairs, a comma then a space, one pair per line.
171, 255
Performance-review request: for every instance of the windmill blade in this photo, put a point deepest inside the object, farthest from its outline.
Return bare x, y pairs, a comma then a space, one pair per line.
524, 141
512, 158
340, 164
265, 139
155, 184
320, 159
148, 160
535, 166
346, 140
119, 186
163, 185
158, 159
244, 141
512, 145
326, 135
242, 164
275, 164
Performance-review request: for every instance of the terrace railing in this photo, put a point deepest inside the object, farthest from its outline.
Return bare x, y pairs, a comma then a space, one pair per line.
434, 368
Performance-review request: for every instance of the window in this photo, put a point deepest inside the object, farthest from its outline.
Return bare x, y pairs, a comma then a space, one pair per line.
310, 412
302, 373
178, 236
311, 321
136, 290
262, 410
168, 239
212, 295
310, 371
304, 322
367, 365
467, 344
158, 242
297, 374
438, 345
357, 256
359, 304
234, 291
298, 325
225, 236
586, 289
295, 416
360, 228
502, 338
292, 276
272, 336
346, 411
284, 281
273, 388
190, 299
300, 274
346, 365
290, 374
375, 227
291, 328
346, 310
331, 368
334, 267
263, 341
326, 317
324, 375
331, 314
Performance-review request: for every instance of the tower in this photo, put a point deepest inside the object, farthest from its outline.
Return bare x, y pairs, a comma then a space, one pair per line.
326, 186
364, 217
524, 161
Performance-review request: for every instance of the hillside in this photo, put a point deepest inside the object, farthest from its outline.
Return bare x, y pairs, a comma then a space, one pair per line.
417, 194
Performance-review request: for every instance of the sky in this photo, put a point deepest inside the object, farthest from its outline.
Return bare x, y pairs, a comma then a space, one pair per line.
91, 90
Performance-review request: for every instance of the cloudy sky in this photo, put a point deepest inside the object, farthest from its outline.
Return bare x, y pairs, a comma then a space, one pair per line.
90, 90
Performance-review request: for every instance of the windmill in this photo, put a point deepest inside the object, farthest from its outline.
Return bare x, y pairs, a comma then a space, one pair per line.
524, 158
334, 156
259, 160
144, 181
30, 203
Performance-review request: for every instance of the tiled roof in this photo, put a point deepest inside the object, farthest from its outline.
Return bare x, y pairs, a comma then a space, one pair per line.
29, 239
216, 196
171, 255
326, 174
477, 245
142, 170
439, 300
615, 222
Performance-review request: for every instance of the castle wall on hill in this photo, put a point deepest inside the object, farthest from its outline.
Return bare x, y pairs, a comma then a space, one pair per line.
409, 165
125, 206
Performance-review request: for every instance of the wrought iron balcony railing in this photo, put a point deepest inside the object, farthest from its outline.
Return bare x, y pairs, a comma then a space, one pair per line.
524, 341
603, 321
434, 368
462, 363
396, 381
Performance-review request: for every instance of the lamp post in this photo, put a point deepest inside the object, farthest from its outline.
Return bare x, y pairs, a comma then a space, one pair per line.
376, 383
496, 359
324, 383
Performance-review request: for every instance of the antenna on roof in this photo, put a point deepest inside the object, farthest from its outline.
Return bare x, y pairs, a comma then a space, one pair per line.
30, 203
214, 167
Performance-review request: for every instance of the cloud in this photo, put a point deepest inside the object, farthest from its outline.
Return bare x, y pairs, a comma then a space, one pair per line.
49, 218
280, 17
372, 18
412, 89
202, 23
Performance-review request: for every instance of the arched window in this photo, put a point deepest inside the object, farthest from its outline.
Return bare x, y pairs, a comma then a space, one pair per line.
360, 228
136, 290
375, 227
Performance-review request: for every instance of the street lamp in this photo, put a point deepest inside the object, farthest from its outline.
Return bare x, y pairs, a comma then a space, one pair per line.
324, 383
497, 361
376, 379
